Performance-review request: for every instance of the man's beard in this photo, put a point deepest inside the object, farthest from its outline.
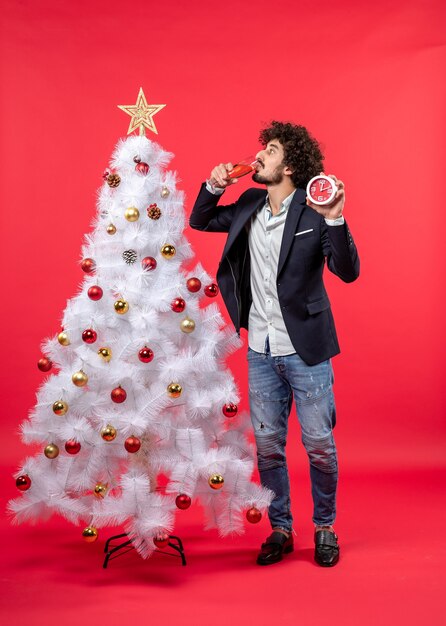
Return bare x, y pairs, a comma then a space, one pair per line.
274, 179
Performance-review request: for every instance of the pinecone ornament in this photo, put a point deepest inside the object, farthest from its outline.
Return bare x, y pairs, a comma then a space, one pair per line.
154, 212
113, 180
129, 256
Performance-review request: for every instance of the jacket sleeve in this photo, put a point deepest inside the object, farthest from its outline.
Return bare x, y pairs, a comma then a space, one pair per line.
206, 215
340, 251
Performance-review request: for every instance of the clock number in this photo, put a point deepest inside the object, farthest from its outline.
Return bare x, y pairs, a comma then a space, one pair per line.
320, 198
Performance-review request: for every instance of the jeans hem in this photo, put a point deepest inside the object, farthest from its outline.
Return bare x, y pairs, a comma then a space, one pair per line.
287, 530
324, 523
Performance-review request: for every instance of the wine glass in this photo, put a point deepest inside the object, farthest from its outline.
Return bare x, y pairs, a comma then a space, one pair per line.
243, 167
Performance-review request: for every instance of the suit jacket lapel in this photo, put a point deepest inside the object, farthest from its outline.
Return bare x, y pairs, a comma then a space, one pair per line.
294, 212
239, 223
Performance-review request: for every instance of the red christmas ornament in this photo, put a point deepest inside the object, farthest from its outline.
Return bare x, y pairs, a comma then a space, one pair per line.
142, 168
132, 444
253, 515
118, 395
211, 290
193, 284
148, 263
106, 174
162, 541
89, 335
95, 293
145, 355
229, 409
88, 265
23, 483
72, 446
44, 364
178, 305
183, 501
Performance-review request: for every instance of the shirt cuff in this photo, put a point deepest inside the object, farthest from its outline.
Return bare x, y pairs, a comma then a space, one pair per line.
217, 191
338, 221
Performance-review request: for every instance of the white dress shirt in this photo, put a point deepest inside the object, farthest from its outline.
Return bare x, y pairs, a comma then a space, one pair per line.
265, 240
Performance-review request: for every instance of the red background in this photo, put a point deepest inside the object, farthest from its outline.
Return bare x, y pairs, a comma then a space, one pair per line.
366, 79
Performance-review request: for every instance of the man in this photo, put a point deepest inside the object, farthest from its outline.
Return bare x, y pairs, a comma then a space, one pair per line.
270, 277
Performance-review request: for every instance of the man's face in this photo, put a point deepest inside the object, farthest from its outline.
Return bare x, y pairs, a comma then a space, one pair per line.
270, 168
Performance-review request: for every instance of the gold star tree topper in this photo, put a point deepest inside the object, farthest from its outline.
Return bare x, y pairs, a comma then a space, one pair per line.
141, 114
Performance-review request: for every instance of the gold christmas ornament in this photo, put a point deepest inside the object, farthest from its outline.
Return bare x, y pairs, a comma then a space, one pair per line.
62, 338
105, 354
90, 534
131, 214
80, 378
142, 114
111, 229
168, 251
121, 306
51, 451
174, 390
113, 180
108, 433
60, 407
100, 490
187, 325
165, 192
216, 481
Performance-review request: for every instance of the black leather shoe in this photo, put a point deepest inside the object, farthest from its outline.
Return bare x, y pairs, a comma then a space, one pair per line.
326, 552
276, 545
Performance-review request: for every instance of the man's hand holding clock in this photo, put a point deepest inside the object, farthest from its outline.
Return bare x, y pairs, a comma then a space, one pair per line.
326, 195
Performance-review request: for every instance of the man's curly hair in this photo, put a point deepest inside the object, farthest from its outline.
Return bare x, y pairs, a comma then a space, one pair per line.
302, 152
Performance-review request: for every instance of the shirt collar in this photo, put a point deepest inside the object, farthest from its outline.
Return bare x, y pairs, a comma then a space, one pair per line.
285, 205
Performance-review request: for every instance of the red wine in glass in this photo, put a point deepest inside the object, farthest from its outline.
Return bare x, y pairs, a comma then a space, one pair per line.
243, 167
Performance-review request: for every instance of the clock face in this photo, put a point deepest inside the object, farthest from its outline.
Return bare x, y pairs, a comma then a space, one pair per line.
321, 190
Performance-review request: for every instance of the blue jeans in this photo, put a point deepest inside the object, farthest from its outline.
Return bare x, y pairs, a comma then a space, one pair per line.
272, 383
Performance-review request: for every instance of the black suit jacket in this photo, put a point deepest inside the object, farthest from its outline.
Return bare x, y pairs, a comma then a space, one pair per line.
303, 300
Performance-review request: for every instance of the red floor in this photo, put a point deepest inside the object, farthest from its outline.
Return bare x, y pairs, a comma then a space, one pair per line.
391, 570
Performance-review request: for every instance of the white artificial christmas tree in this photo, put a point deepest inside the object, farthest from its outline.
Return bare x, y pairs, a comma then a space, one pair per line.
141, 387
